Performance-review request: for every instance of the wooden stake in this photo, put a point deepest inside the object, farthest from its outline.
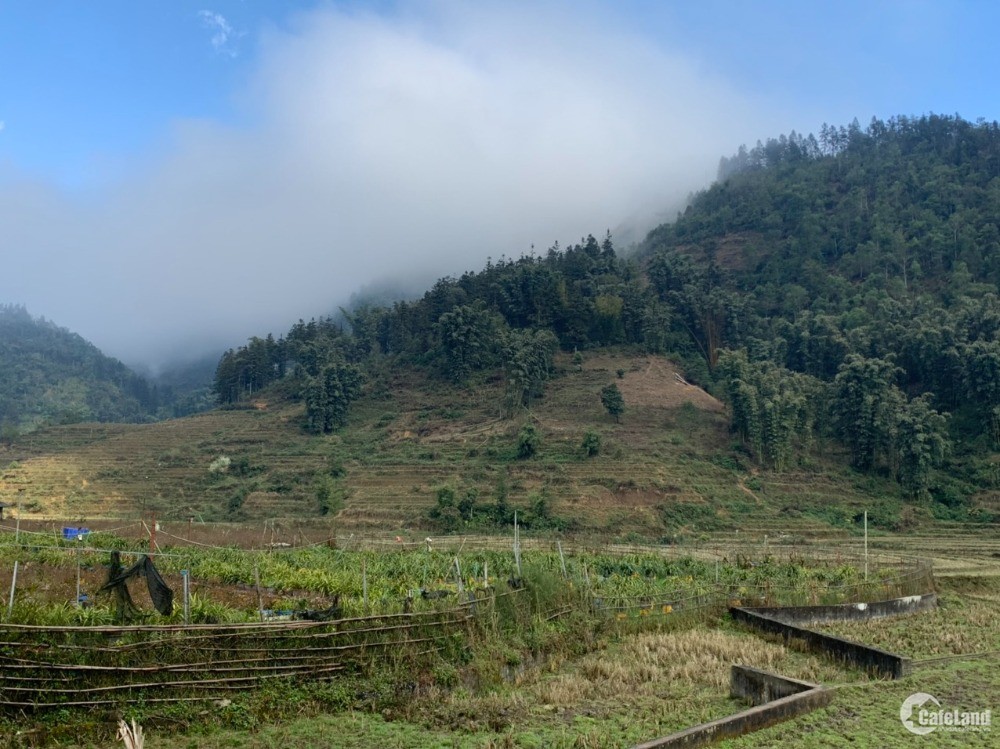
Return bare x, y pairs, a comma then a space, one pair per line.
78, 576
517, 546
364, 581
866, 545
562, 559
13, 585
152, 536
260, 599
187, 596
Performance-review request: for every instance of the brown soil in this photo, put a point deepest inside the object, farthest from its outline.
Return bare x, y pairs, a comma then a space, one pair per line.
653, 382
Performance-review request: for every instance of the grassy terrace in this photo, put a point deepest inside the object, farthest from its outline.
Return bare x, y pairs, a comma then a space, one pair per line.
670, 468
630, 685
639, 687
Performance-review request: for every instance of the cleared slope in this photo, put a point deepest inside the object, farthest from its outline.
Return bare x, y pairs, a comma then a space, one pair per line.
669, 467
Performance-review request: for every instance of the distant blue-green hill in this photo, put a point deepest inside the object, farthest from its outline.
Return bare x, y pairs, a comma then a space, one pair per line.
49, 375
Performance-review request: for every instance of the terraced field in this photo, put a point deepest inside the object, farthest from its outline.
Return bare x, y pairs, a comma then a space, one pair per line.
670, 468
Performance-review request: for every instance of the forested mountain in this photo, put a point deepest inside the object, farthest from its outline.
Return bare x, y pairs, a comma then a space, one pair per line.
848, 286
509, 318
49, 375
841, 288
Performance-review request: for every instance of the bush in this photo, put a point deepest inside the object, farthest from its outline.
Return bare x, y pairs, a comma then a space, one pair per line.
528, 441
591, 443
329, 496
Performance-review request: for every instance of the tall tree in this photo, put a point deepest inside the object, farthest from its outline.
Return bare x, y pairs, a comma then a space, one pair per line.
612, 400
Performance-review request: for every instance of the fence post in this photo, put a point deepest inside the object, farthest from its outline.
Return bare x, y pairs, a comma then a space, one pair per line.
78, 577
364, 583
260, 599
866, 545
13, 585
458, 578
187, 596
517, 546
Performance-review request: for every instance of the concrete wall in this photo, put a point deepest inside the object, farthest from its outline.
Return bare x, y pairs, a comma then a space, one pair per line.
761, 687
849, 611
749, 682
873, 660
777, 698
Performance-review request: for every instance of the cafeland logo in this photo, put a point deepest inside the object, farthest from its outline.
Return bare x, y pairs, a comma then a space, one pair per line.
919, 716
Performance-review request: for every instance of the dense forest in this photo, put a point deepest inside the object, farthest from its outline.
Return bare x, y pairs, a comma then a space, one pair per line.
52, 376
49, 375
847, 286
841, 288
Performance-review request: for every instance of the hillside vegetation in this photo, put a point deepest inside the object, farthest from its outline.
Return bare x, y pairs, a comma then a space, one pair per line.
837, 295
848, 287
52, 376
428, 456
841, 289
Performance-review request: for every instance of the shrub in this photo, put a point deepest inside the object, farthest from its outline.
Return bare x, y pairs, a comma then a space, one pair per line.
591, 443
219, 464
528, 441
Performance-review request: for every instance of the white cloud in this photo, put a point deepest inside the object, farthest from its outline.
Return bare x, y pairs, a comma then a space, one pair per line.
413, 146
223, 36
3, 125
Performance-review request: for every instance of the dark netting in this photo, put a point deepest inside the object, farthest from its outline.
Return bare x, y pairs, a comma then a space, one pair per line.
124, 605
161, 595
159, 592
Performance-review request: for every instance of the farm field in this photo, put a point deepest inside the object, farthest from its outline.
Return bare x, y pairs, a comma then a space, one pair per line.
670, 513
641, 686
638, 686
645, 675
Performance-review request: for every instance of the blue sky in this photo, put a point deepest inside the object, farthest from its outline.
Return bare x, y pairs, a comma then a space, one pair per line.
149, 149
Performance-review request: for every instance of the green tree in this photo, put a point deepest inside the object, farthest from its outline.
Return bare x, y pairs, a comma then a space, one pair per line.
468, 335
982, 378
328, 397
528, 441
591, 443
444, 512
921, 444
329, 496
773, 409
527, 363
866, 409
612, 400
